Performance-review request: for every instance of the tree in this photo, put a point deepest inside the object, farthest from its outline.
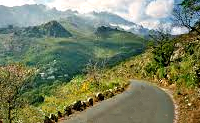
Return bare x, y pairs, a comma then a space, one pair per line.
164, 45
193, 5
12, 79
161, 34
187, 14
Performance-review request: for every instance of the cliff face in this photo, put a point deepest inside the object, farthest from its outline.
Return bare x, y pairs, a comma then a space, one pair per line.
54, 29
50, 29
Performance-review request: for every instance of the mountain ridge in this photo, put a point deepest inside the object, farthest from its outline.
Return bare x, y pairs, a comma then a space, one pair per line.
50, 29
37, 14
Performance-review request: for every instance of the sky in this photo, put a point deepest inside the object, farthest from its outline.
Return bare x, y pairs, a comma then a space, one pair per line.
148, 13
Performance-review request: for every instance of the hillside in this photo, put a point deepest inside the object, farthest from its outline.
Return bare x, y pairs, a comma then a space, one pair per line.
173, 65
50, 29
58, 60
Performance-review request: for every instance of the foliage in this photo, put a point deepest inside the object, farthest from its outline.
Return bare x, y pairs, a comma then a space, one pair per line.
187, 14
61, 60
192, 4
12, 79
162, 53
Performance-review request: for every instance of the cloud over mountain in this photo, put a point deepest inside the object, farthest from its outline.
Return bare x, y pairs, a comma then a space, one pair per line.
149, 13
139, 11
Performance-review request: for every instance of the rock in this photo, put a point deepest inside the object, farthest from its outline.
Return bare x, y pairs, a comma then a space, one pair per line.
77, 106
46, 120
54, 118
119, 89
90, 102
68, 110
164, 83
110, 90
99, 97
122, 89
115, 90
177, 54
84, 105
60, 114
189, 104
108, 94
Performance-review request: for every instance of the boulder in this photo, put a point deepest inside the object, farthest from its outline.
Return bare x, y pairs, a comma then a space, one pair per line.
99, 97
77, 106
122, 89
177, 54
119, 89
68, 110
46, 120
54, 118
84, 105
90, 102
60, 114
108, 94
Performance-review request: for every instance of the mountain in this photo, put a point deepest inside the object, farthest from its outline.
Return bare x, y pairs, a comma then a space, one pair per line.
50, 29
105, 30
29, 15
115, 21
32, 15
60, 57
39, 37
30, 36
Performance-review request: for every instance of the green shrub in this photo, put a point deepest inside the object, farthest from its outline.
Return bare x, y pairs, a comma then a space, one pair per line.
37, 99
161, 73
162, 53
151, 68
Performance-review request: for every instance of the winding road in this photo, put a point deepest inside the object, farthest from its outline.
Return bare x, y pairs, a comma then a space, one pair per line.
140, 103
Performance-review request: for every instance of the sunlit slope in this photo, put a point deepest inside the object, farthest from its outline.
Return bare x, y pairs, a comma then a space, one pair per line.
68, 56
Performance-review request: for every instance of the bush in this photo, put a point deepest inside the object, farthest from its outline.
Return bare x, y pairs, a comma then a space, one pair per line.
151, 68
37, 99
161, 73
162, 53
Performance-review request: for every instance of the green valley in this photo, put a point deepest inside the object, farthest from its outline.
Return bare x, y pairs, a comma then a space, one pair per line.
59, 59
52, 61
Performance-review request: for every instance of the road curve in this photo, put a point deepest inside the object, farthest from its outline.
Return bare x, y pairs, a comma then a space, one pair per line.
140, 103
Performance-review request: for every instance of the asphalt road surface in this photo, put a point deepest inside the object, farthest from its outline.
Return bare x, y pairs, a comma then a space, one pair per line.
141, 103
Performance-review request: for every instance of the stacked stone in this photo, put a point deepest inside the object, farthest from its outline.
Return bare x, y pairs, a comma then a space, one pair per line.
82, 105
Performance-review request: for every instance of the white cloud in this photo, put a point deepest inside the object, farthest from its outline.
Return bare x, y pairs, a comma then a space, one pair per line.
90, 5
150, 24
179, 30
125, 27
147, 13
12, 3
66, 4
136, 10
160, 8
